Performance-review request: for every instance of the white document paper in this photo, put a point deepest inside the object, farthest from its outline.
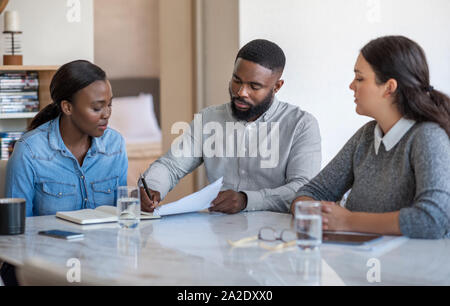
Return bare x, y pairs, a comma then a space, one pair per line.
197, 201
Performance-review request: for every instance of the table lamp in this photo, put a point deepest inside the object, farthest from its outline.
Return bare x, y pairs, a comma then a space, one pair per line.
12, 29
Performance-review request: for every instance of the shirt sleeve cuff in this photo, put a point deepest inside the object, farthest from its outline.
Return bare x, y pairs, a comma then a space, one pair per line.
254, 200
416, 224
305, 194
161, 184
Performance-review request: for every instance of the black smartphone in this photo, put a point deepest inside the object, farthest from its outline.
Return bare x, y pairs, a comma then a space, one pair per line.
62, 234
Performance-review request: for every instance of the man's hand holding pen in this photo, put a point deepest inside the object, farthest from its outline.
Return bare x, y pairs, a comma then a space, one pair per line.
147, 204
149, 198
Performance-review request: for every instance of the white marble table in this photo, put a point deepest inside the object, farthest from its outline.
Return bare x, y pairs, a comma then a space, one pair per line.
192, 249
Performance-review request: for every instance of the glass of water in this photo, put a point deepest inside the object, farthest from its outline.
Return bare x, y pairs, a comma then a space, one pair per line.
128, 206
308, 224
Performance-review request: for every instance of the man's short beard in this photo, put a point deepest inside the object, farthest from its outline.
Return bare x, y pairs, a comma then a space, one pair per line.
254, 111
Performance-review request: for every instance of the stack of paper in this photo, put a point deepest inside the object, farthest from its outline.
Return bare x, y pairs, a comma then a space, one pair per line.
194, 202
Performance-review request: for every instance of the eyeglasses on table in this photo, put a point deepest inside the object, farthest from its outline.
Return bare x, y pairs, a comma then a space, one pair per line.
268, 234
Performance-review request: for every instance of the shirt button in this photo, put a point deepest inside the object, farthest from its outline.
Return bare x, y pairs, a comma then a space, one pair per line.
109, 190
59, 194
82, 177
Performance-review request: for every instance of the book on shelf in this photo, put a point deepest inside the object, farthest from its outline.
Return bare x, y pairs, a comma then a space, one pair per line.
19, 74
19, 108
7, 141
24, 86
19, 92
19, 80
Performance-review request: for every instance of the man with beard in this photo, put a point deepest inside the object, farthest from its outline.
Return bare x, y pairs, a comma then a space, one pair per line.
250, 183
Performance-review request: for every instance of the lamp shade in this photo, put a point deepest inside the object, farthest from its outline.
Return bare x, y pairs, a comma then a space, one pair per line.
12, 21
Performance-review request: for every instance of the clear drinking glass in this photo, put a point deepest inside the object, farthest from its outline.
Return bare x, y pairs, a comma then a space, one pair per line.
308, 224
128, 206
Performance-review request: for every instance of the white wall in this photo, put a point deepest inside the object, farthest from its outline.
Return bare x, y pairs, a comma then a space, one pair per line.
322, 38
52, 33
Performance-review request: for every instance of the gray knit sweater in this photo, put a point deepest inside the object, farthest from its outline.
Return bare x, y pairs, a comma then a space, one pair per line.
413, 177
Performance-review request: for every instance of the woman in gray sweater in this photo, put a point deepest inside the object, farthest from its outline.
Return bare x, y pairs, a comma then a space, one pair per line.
398, 166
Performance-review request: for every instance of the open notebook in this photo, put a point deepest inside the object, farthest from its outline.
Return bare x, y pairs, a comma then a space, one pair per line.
101, 214
197, 201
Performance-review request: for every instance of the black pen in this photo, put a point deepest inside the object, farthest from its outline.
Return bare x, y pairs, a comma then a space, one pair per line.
146, 188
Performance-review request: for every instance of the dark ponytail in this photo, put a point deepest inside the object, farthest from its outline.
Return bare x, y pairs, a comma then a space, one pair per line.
399, 58
442, 102
67, 81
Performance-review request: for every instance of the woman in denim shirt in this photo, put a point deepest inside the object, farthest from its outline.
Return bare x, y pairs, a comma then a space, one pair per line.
70, 159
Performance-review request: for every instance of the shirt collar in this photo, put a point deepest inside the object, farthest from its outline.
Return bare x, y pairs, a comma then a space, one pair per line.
272, 109
394, 135
54, 136
97, 146
56, 143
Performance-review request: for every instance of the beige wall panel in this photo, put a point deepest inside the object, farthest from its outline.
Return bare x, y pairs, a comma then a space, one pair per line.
126, 37
177, 75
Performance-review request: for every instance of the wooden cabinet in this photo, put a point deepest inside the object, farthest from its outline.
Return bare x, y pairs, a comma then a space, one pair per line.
140, 156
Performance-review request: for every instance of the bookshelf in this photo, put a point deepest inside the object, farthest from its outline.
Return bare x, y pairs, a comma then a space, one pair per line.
20, 121
21, 98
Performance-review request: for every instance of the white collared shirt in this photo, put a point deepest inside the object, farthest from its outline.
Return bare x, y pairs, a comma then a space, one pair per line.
393, 136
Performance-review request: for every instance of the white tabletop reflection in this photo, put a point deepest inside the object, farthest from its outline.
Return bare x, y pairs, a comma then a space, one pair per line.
192, 249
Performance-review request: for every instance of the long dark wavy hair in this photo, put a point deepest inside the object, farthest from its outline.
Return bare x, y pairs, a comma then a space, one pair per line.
400, 58
67, 81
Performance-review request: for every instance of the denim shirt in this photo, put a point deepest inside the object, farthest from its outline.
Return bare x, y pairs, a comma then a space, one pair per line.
45, 173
